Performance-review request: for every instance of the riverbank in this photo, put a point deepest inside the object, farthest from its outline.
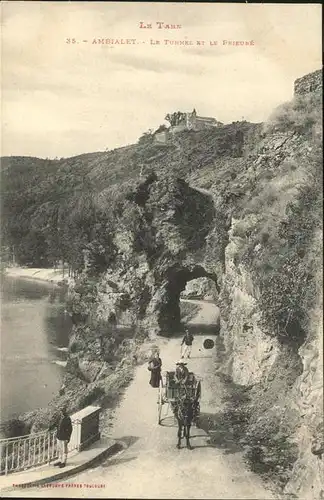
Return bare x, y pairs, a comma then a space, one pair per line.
39, 274
105, 389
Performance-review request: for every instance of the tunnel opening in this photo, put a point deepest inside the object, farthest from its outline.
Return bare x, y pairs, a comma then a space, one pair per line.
174, 290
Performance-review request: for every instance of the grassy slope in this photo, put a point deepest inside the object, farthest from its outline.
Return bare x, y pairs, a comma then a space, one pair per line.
110, 171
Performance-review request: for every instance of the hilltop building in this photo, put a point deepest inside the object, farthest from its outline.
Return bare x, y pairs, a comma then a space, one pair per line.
184, 121
192, 121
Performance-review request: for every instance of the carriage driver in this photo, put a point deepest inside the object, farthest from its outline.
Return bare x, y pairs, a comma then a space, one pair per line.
181, 372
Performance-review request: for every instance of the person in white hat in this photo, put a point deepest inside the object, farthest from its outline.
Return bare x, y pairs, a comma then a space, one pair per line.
181, 373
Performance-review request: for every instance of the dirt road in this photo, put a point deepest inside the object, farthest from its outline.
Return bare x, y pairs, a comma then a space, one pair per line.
207, 315
151, 466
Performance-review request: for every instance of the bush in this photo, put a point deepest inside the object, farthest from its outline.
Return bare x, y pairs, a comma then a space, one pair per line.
301, 115
270, 451
13, 428
146, 138
82, 299
74, 347
285, 279
90, 397
264, 237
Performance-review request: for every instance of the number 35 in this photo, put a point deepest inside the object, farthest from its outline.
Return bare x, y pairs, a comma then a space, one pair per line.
70, 40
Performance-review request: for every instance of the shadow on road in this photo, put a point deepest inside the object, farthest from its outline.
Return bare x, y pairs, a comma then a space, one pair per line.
227, 427
199, 329
219, 431
200, 357
117, 461
213, 429
168, 421
128, 440
220, 350
203, 329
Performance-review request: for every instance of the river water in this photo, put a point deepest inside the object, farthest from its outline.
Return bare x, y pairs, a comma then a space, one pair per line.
34, 335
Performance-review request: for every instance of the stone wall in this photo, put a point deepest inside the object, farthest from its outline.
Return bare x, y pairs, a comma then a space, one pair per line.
179, 128
161, 137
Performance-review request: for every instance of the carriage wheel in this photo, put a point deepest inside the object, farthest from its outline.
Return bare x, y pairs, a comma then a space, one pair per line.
198, 391
172, 405
197, 398
160, 402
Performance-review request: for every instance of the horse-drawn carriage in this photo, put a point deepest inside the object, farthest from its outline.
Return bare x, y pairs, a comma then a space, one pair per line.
170, 392
183, 398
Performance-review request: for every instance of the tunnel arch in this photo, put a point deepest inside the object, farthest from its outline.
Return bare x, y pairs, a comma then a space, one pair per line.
176, 279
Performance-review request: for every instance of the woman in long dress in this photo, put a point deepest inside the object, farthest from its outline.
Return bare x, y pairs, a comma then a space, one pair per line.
154, 367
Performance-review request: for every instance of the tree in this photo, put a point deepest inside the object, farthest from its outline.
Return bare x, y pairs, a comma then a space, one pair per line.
147, 137
175, 118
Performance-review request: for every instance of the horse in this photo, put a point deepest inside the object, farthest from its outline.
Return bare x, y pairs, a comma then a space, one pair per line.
186, 411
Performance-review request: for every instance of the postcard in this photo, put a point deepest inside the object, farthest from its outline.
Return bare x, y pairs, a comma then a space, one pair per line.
161, 250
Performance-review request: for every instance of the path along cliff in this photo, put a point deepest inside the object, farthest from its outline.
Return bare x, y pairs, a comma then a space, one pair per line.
151, 466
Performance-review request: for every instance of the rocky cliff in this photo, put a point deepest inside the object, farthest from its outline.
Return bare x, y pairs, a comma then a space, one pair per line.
309, 83
271, 301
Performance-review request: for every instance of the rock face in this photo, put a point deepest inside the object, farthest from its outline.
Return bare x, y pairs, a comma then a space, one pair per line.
309, 83
157, 259
307, 395
271, 316
201, 288
285, 383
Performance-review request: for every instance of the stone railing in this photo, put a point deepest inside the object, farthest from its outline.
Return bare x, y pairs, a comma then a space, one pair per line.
85, 428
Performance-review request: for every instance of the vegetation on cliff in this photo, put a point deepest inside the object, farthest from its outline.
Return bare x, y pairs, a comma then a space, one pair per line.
56, 209
270, 296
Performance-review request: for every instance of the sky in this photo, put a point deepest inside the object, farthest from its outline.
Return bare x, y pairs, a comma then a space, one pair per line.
62, 99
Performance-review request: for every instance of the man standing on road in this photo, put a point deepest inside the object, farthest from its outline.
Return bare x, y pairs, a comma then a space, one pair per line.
63, 435
186, 344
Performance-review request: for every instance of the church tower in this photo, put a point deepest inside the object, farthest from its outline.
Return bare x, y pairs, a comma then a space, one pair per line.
191, 119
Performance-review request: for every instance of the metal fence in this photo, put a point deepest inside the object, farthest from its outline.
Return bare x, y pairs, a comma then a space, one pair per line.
24, 452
